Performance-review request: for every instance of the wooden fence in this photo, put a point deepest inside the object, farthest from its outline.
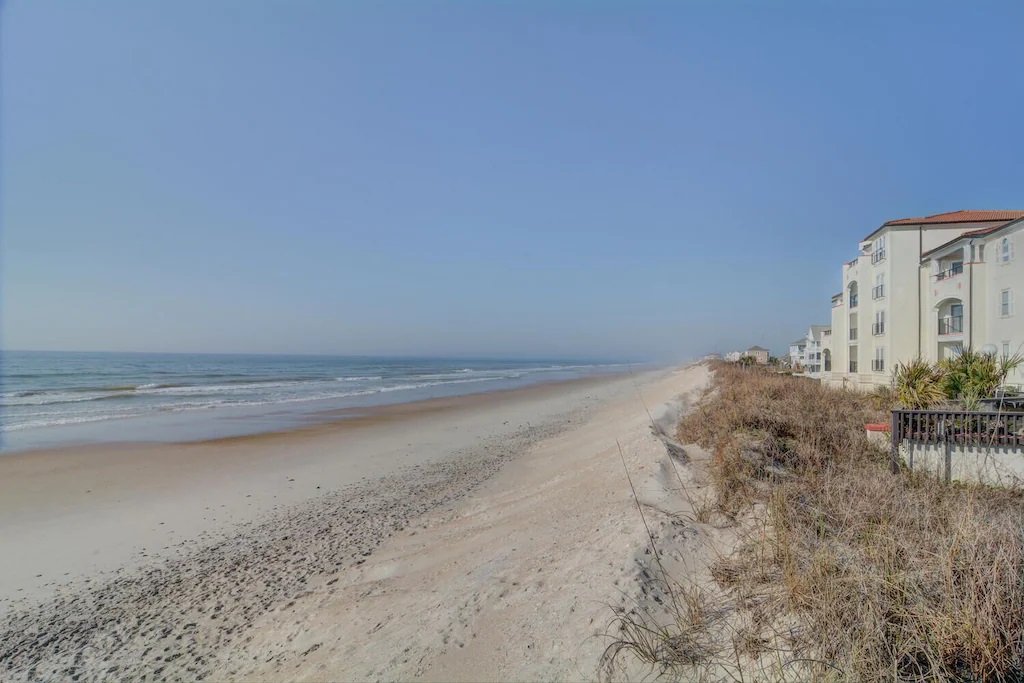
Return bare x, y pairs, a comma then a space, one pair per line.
955, 427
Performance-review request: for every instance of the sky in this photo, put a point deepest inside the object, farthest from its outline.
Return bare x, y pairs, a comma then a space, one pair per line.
561, 179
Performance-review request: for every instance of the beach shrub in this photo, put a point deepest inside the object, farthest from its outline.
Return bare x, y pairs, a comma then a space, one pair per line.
963, 379
918, 385
842, 570
973, 375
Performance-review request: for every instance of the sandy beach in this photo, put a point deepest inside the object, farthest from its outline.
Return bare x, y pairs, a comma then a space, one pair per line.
480, 537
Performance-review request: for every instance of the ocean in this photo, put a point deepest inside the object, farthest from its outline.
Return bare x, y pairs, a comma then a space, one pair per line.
61, 398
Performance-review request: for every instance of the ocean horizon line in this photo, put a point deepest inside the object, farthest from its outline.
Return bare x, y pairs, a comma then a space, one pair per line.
500, 357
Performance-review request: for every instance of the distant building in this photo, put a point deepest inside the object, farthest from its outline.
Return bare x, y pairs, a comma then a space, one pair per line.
760, 355
733, 356
798, 353
806, 353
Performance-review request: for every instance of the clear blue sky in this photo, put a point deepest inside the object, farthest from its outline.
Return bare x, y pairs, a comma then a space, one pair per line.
573, 178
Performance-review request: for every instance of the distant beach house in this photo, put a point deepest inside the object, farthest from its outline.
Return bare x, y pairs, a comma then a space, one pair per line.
806, 353
760, 355
927, 288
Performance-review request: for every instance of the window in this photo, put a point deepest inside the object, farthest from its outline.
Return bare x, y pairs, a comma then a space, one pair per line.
1006, 349
879, 326
1006, 303
954, 322
878, 364
1005, 250
853, 327
878, 250
878, 291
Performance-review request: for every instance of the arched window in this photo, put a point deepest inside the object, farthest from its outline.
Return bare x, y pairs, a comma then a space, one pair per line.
852, 295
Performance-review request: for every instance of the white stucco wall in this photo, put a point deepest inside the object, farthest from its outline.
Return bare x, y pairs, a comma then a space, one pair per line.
994, 466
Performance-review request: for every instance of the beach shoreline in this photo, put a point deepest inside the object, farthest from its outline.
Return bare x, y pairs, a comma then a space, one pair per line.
229, 535
71, 399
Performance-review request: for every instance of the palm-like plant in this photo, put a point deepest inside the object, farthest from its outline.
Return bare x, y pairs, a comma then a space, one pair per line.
918, 385
973, 375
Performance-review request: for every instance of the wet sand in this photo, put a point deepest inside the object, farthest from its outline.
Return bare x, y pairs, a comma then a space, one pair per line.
268, 557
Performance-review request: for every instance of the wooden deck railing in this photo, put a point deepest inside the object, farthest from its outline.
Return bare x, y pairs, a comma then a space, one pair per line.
956, 427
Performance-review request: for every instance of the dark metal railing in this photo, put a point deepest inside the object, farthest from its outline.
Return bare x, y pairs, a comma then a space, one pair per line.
878, 365
878, 291
951, 324
955, 269
853, 334
956, 427
878, 256
853, 366
877, 328
853, 300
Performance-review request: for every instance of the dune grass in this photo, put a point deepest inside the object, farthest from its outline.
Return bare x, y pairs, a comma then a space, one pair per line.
843, 570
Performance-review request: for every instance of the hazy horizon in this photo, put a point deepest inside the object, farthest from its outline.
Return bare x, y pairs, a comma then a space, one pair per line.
594, 359
490, 180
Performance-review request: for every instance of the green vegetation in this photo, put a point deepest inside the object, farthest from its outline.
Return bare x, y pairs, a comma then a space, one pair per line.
964, 379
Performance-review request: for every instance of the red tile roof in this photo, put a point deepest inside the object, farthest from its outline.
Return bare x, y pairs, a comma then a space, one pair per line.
985, 231
962, 216
980, 232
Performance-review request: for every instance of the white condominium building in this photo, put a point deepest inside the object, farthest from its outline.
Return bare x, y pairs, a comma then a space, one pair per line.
926, 287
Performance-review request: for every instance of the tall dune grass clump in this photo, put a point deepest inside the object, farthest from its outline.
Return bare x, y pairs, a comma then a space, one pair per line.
845, 571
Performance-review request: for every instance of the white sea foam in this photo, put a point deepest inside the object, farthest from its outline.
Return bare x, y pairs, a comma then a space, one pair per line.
104, 393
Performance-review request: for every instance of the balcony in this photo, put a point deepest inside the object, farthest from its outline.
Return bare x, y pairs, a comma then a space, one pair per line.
853, 366
878, 365
877, 328
954, 269
878, 292
951, 324
853, 334
877, 256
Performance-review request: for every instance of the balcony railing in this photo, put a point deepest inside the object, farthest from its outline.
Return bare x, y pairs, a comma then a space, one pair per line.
853, 300
951, 324
853, 366
877, 328
878, 292
853, 334
878, 365
954, 270
878, 256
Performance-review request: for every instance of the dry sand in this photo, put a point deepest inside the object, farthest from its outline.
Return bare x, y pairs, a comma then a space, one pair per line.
476, 538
